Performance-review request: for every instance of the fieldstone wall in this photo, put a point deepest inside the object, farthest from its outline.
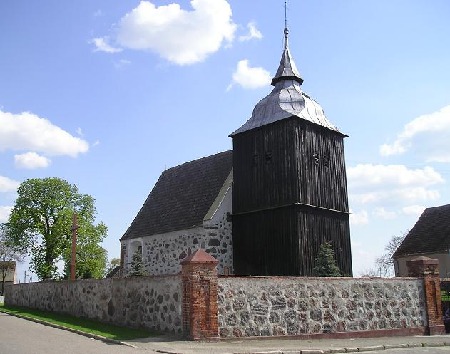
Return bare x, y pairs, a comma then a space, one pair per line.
148, 302
163, 253
274, 306
198, 304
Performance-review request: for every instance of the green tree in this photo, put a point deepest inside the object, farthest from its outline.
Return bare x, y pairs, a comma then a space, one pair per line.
325, 263
40, 223
137, 265
113, 264
8, 256
91, 259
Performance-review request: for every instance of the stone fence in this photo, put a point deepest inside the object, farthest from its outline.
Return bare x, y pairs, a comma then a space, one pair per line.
297, 306
140, 302
199, 304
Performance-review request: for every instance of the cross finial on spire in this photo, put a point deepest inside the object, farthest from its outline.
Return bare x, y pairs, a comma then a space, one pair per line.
287, 69
286, 31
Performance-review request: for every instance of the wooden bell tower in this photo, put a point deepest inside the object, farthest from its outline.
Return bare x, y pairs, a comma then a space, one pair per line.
290, 184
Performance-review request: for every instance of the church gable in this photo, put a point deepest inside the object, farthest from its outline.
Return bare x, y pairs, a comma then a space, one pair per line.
182, 197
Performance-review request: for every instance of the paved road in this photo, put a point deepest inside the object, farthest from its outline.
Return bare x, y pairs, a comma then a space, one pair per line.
19, 336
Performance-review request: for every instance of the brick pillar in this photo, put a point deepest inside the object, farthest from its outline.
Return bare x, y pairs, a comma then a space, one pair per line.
428, 269
199, 275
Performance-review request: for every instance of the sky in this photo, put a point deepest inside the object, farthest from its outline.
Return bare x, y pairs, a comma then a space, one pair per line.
107, 95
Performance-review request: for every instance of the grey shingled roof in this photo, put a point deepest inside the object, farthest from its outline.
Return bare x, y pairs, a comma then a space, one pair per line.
182, 196
430, 234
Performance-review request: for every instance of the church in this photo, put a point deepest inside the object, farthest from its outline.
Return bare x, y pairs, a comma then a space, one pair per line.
263, 208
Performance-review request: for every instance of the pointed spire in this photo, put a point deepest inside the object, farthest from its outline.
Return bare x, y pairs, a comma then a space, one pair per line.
287, 99
287, 69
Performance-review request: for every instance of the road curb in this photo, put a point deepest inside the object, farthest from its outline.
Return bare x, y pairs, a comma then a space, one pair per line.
76, 331
353, 349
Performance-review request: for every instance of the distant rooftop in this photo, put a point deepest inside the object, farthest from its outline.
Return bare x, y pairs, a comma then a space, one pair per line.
430, 234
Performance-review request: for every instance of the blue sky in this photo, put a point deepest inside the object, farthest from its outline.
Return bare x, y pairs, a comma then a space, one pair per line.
108, 94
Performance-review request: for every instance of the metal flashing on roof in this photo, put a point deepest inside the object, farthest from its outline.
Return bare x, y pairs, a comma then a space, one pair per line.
287, 70
286, 99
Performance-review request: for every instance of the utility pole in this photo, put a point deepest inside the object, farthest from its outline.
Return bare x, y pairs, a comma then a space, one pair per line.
73, 260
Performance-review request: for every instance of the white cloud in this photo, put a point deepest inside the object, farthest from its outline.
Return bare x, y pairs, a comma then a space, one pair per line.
4, 213
359, 218
180, 36
31, 160
392, 184
427, 135
121, 63
395, 196
364, 175
102, 45
382, 213
253, 33
415, 210
27, 131
248, 77
8, 185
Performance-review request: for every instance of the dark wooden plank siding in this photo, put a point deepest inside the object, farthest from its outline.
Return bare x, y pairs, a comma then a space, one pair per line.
289, 196
267, 243
316, 227
286, 241
289, 162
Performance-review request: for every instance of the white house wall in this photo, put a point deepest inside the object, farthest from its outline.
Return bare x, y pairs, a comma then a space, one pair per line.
401, 269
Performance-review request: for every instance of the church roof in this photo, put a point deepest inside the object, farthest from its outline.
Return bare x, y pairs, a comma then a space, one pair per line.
430, 234
182, 196
286, 99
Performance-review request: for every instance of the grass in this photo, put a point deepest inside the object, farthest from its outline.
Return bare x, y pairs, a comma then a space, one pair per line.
80, 324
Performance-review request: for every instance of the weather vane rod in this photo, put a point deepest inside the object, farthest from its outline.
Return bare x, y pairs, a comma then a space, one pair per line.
286, 31
285, 13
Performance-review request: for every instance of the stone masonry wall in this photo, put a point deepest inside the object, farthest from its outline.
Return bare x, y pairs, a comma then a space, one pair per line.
163, 253
148, 302
269, 306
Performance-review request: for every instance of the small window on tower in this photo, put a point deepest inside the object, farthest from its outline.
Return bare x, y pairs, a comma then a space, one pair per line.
326, 160
316, 159
255, 159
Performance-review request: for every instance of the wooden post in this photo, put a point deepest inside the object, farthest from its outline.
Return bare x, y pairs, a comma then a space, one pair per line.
73, 260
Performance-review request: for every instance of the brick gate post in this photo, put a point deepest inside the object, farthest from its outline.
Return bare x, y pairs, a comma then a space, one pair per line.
428, 269
200, 311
